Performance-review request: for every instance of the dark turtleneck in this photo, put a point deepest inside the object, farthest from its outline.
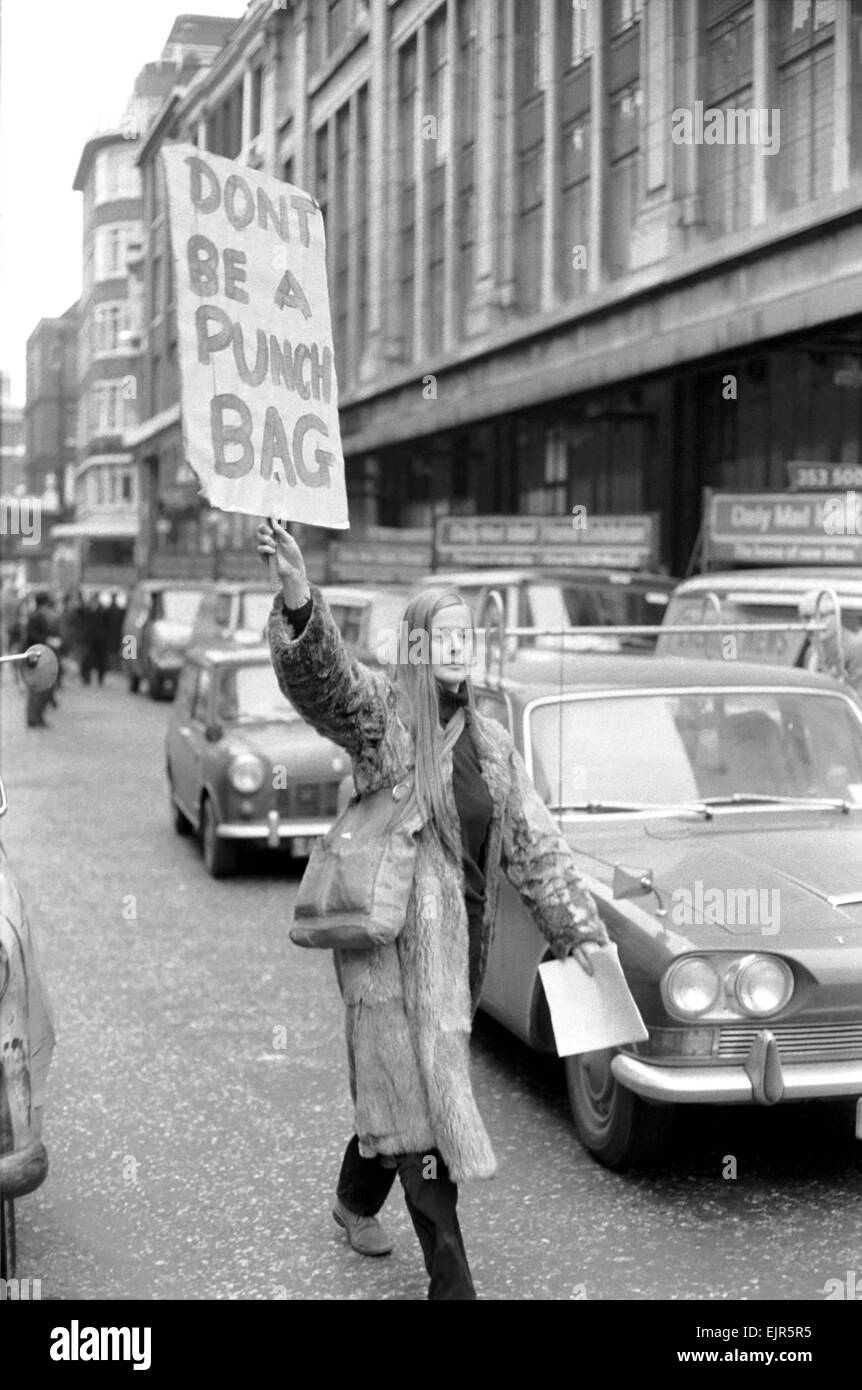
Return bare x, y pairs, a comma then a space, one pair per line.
474, 806
472, 802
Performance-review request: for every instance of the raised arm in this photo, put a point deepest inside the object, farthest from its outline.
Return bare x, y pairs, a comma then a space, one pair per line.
336, 694
539, 864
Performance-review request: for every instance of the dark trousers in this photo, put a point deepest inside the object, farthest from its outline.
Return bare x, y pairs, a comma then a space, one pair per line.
431, 1197
37, 703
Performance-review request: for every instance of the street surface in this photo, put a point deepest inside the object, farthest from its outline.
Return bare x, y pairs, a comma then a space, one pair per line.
198, 1106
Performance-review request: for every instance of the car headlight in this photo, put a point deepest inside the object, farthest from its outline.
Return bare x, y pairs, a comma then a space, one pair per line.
246, 773
763, 985
693, 986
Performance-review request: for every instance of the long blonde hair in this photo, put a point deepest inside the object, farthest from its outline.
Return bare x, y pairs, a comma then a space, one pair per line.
418, 698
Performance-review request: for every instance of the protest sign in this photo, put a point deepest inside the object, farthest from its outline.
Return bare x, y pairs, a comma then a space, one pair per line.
259, 390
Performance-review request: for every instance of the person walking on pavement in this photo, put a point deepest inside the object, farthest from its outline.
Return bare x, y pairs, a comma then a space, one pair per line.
95, 653
40, 628
409, 1005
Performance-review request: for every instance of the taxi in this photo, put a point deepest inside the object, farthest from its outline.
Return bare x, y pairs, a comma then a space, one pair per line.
715, 812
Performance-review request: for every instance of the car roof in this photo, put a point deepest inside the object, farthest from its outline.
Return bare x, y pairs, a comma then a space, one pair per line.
237, 586
542, 573
791, 581
151, 585
346, 593
230, 655
544, 672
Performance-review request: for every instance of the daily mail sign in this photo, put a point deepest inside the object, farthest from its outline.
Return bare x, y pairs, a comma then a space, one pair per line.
778, 528
617, 542
259, 390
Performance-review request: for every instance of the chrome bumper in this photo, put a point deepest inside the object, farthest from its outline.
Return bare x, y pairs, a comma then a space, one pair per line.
23, 1170
762, 1079
273, 830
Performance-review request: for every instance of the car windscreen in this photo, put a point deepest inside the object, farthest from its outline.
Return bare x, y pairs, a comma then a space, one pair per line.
179, 605
669, 748
250, 694
255, 613
774, 648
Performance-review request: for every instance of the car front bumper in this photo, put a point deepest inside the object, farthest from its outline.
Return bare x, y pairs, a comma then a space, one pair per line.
273, 830
762, 1079
23, 1170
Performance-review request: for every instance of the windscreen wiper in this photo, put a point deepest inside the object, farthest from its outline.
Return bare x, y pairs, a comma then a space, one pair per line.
826, 803
691, 808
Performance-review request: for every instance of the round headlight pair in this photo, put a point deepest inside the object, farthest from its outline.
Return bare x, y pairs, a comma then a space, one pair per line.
246, 773
760, 985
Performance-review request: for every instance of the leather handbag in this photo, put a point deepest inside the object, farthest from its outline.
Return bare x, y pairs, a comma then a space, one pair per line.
354, 892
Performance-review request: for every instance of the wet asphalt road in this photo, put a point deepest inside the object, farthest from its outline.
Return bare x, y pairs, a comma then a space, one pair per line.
197, 1104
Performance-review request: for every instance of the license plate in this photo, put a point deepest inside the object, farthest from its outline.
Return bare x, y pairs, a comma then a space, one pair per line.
859, 1118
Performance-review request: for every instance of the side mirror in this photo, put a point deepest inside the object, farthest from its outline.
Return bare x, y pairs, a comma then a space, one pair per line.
40, 667
635, 885
213, 733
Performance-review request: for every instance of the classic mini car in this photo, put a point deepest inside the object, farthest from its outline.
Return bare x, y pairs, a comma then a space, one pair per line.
157, 632
26, 1043
233, 611
554, 599
242, 766
715, 811
755, 596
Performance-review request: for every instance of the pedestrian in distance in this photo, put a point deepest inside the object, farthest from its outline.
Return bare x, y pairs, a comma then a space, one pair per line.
409, 1005
40, 628
95, 641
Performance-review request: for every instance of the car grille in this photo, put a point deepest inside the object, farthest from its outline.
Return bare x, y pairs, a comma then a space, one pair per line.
307, 800
802, 1041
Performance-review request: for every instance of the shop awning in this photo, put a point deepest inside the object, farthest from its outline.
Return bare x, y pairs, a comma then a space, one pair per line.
100, 528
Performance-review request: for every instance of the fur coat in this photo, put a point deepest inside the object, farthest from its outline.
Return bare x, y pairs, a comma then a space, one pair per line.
407, 1005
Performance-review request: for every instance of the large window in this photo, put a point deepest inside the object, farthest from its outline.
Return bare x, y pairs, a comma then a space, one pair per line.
116, 173
463, 138
407, 213
435, 151
531, 193
623, 184
109, 322
107, 407
726, 168
111, 243
806, 78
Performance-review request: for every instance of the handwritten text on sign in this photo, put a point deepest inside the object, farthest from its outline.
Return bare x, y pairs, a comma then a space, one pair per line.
259, 391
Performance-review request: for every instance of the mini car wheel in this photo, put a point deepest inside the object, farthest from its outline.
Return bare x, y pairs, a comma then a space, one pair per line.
7, 1238
220, 856
181, 823
134, 682
619, 1128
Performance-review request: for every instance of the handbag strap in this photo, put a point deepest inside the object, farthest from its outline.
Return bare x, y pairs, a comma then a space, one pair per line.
453, 732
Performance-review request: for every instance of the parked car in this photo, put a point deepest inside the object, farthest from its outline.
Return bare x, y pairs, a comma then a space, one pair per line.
755, 596
26, 1046
554, 598
715, 811
157, 632
242, 766
233, 611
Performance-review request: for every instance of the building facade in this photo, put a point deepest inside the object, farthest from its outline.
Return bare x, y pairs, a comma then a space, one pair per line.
580, 253
108, 523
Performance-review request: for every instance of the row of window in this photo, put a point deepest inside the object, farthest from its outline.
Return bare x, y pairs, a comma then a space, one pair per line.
107, 485
108, 407
106, 253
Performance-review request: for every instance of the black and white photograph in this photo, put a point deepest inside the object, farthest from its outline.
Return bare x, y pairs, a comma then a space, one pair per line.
431, 668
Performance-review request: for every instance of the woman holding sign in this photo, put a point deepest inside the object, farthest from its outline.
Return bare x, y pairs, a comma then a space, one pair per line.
409, 1004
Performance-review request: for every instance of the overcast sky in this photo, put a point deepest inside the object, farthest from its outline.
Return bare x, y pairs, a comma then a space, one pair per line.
66, 69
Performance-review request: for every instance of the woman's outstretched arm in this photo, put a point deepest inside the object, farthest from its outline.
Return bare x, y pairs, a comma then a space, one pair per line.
339, 696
